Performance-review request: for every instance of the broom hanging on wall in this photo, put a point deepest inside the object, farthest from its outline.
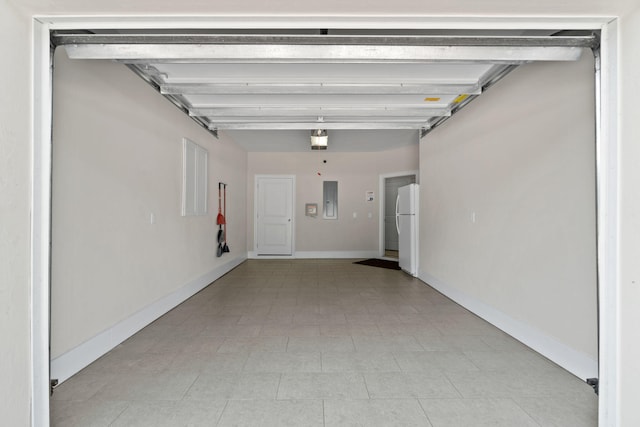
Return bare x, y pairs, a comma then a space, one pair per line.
220, 220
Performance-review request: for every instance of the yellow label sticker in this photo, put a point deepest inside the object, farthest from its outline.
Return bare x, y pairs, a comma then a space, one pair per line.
460, 99
432, 99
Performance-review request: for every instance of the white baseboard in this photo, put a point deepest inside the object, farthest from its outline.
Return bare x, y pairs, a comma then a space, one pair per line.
255, 255
574, 361
74, 360
318, 255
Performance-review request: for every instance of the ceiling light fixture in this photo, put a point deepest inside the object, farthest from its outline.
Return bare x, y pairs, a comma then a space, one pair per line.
319, 139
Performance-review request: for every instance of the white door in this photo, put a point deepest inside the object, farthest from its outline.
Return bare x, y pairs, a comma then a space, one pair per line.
274, 216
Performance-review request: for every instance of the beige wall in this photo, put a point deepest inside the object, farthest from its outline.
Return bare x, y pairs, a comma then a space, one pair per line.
522, 158
117, 161
356, 174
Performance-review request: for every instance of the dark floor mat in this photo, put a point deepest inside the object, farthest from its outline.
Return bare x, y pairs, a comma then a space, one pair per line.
382, 263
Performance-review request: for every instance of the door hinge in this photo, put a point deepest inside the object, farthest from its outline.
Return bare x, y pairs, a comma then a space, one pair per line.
594, 382
52, 385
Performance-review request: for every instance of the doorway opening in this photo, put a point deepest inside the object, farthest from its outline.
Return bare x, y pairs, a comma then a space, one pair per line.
389, 184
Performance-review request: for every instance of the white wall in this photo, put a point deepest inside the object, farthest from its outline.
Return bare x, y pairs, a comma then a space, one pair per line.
14, 218
522, 159
356, 174
118, 161
629, 248
284, 8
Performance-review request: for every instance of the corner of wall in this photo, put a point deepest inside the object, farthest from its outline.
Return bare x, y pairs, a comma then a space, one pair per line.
576, 362
76, 359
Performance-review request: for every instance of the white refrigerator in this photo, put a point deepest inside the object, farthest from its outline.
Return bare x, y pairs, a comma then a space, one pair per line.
407, 226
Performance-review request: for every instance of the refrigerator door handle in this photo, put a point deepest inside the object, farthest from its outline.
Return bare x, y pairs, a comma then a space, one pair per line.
397, 213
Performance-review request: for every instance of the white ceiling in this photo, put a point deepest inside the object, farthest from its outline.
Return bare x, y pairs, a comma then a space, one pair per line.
372, 91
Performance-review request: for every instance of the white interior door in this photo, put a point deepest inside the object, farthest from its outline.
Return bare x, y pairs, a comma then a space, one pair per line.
274, 216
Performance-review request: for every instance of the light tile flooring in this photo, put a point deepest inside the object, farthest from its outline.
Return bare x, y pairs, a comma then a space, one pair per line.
391, 254
322, 343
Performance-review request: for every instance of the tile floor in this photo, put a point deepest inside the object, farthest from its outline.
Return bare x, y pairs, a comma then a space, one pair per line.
391, 254
322, 343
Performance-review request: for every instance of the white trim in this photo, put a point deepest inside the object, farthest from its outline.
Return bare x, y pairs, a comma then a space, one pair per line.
324, 21
71, 362
40, 224
576, 362
293, 213
608, 177
381, 202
